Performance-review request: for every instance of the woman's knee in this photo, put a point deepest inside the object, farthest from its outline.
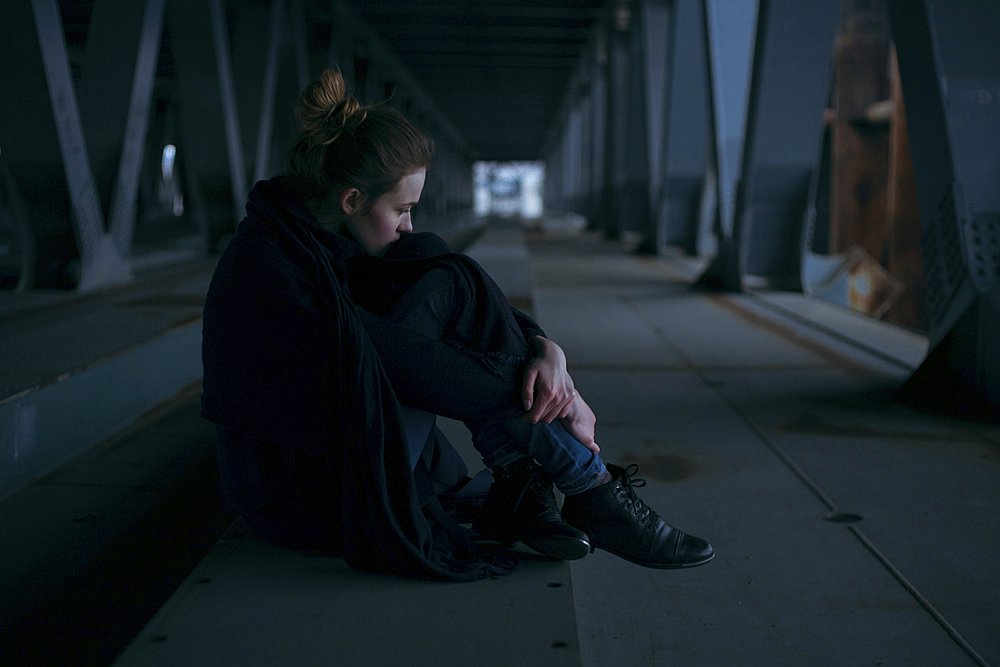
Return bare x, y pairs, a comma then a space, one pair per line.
430, 304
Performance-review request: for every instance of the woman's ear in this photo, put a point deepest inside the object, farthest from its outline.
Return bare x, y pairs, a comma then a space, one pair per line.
349, 200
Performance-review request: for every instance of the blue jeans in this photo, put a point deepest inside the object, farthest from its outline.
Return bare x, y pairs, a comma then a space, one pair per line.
427, 308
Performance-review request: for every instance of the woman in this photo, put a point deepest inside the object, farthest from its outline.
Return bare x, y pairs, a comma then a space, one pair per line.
333, 335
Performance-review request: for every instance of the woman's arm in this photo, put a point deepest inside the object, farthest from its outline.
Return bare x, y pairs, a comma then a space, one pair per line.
548, 393
435, 377
547, 388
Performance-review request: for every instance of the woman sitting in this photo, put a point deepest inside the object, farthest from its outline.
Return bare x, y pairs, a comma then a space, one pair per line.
333, 335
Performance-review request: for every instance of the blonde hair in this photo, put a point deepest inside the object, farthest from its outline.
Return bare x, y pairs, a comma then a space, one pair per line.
345, 144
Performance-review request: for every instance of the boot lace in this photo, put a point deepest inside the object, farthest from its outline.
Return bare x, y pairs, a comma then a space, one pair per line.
645, 515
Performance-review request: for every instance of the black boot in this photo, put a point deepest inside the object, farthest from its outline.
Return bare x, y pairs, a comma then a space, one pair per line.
616, 520
522, 507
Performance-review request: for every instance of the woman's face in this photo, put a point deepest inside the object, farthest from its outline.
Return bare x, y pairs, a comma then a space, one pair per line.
387, 217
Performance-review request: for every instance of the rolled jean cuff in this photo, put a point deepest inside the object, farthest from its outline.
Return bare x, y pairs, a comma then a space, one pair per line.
571, 484
572, 467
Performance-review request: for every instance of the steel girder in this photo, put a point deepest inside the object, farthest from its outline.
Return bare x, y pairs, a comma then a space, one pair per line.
789, 89
950, 73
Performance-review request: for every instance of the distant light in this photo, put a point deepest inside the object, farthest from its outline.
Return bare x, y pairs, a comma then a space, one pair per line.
167, 163
508, 188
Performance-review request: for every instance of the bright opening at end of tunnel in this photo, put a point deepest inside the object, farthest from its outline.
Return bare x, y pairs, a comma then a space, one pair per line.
509, 188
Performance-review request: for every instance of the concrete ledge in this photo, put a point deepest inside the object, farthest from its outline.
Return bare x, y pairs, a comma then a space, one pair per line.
42, 428
253, 603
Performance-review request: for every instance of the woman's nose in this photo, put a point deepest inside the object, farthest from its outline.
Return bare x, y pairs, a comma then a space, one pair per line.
407, 225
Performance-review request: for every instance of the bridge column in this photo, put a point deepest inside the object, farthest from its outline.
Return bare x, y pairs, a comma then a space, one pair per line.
50, 159
615, 121
597, 76
653, 43
116, 89
789, 90
685, 139
950, 75
729, 31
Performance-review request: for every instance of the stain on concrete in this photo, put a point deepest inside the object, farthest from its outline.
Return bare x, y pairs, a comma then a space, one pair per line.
662, 467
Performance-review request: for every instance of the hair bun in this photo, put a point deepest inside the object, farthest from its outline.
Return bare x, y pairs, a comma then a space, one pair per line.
325, 111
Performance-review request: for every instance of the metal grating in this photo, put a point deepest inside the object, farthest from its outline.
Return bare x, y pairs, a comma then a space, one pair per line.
983, 249
942, 255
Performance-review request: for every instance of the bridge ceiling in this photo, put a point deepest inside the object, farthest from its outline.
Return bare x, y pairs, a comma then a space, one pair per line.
498, 70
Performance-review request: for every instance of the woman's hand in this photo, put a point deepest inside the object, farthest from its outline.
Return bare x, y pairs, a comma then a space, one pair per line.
579, 420
548, 389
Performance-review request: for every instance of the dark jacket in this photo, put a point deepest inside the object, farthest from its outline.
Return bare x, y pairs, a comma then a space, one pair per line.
293, 364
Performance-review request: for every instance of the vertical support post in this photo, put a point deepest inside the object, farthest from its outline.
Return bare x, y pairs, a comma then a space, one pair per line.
123, 212
656, 40
262, 162
729, 31
300, 43
686, 128
104, 84
951, 83
633, 153
231, 122
789, 87
584, 140
571, 150
101, 264
616, 99
598, 95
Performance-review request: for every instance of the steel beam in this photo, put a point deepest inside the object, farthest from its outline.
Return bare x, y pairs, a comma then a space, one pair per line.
124, 206
615, 129
950, 74
265, 127
654, 42
586, 161
729, 31
100, 262
231, 121
633, 153
685, 140
105, 83
300, 42
789, 89
598, 86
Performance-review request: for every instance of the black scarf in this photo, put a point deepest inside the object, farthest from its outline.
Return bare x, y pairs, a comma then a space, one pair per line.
268, 378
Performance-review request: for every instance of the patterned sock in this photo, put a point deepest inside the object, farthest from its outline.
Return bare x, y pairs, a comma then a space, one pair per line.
603, 478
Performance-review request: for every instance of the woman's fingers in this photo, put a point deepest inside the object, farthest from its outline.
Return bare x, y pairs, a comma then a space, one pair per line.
549, 404
528, 390
581, 422
547, 388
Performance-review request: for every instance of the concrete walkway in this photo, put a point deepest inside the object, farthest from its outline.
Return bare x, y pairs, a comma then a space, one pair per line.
849, 530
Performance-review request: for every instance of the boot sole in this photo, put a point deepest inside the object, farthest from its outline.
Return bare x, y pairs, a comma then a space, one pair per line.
656, 565
563, 548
